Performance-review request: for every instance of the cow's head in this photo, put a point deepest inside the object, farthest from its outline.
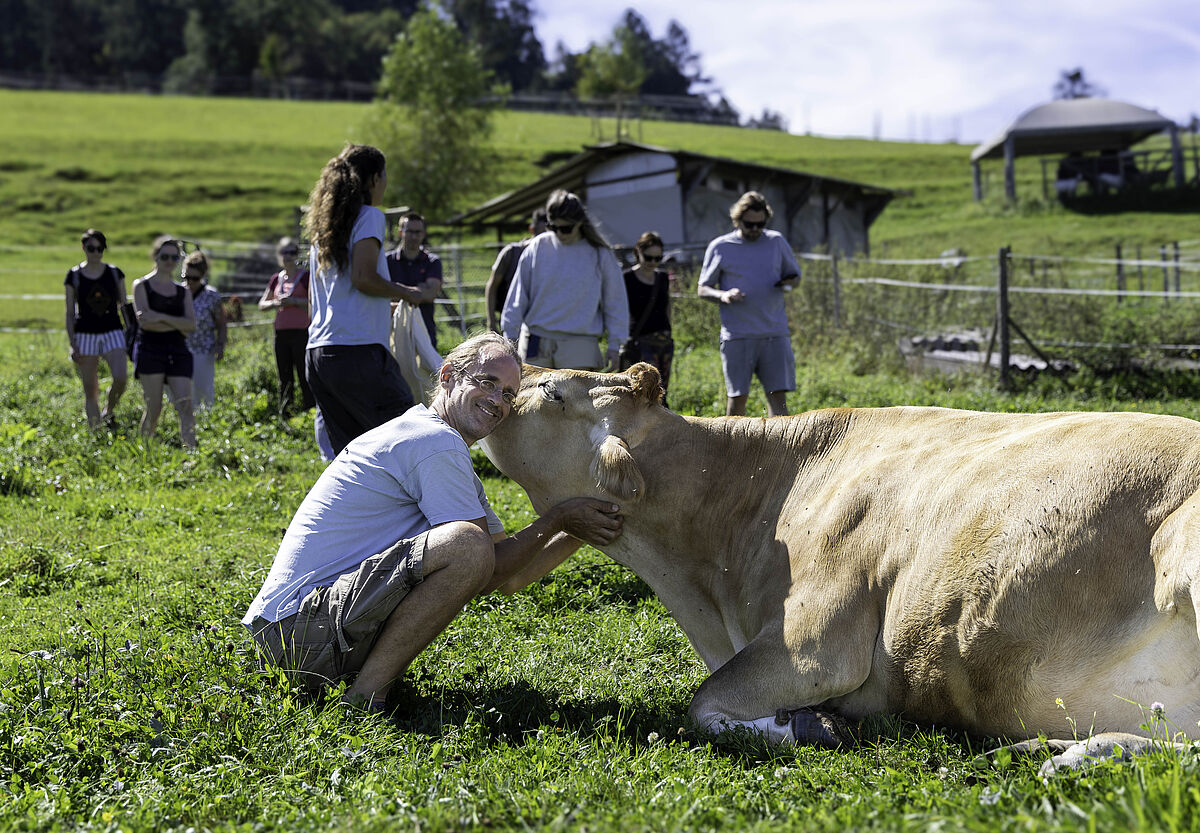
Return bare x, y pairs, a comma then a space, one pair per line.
570, 432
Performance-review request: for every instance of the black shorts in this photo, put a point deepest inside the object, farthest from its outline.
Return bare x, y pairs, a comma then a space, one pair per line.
171, 358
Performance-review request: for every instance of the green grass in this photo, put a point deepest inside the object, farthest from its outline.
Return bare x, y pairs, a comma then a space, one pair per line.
130, 698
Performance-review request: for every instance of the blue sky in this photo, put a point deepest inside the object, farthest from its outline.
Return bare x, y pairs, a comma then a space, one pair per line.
926, 70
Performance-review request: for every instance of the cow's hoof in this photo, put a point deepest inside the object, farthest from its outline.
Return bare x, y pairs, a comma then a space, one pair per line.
815, 728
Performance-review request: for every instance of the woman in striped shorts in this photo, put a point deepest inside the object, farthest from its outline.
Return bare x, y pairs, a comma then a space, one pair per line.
95, 292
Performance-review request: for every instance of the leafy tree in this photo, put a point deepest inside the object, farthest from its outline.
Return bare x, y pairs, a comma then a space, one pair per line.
1072, 84
613, 71
191, 72
429, 115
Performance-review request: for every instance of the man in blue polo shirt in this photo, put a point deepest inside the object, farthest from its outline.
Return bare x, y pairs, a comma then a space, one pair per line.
748, 273
412, 265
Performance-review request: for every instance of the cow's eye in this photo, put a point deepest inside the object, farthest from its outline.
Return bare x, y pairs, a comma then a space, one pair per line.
548, 391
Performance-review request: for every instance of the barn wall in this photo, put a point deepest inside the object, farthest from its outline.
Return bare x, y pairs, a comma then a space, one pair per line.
635, 193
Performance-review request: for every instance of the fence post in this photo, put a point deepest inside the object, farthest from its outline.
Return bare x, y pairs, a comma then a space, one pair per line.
1002, 315
1176, 247
1120, 276
837, 294
458, 280
1141, 280
1162, 256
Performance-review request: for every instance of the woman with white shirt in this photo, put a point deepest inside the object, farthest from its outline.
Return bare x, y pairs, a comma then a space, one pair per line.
567, 292
353, 377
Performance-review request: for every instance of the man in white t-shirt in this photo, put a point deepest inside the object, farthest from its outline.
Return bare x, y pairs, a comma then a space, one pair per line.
397, 535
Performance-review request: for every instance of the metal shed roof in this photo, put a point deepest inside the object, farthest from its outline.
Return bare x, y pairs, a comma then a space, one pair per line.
1081, 124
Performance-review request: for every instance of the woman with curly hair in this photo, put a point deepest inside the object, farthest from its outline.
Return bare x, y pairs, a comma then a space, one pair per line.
354, 379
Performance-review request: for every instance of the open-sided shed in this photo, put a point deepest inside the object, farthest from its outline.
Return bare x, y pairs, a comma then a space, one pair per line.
1075, 125
630, 188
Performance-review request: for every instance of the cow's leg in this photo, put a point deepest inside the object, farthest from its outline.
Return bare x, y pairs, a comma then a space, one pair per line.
770, 687
1106, 746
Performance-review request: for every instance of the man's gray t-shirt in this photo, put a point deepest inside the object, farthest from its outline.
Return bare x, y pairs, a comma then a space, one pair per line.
393, 482
753, 267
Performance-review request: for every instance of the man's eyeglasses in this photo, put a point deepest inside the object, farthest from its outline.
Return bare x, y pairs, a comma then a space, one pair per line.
192, 276
748, 224
489, 387
93, 249
290, 252
163, 256
561, 229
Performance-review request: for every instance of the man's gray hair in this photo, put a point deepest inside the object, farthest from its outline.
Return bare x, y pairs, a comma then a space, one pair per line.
468, 353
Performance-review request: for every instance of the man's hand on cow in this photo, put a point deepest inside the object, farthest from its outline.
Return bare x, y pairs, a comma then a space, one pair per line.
592, 521
733, 296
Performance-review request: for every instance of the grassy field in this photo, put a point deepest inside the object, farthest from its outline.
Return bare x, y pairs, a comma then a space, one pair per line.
232, 169
129, 698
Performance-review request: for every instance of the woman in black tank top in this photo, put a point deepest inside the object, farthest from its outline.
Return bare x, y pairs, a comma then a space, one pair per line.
95, 291
160, 355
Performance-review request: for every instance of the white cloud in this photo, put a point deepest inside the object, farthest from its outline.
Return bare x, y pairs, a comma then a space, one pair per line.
923, 69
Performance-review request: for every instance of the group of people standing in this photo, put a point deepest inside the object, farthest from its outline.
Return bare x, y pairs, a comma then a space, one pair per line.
174, 332
556, 292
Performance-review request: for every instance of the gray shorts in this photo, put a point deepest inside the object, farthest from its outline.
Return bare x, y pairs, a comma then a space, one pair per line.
770, 359
561, 351
334, 630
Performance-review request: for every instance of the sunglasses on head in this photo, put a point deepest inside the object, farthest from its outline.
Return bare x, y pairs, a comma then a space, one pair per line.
561, 229
750, 225
93, 249
165, 256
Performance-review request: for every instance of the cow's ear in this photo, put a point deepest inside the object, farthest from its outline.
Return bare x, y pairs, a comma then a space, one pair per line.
647, 383
615, 470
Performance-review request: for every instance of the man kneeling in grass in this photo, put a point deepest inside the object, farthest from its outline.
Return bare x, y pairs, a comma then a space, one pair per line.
397, 535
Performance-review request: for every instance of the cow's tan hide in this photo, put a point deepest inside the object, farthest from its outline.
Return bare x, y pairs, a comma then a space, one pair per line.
958, 568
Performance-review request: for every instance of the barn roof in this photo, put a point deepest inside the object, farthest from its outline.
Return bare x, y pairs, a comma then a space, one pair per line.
1075, 124
515, 207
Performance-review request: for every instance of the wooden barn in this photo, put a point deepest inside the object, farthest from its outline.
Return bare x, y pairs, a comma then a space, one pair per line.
630, 188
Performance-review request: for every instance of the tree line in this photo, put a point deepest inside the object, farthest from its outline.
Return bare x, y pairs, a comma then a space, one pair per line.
214, 46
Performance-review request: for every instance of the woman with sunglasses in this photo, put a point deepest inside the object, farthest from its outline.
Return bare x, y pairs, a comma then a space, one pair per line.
207, 341
567, 292
287, 295
160, 355
649, 309
354, 379
95, 293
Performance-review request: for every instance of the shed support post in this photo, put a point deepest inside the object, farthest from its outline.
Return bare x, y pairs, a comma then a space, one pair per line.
1010, 173
1002, 316
1177, 158
976, 182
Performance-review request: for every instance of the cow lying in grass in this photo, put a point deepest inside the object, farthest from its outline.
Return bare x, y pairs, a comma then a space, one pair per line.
976, 570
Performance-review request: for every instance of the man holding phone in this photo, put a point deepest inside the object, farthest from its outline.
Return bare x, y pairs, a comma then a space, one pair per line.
747, 272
